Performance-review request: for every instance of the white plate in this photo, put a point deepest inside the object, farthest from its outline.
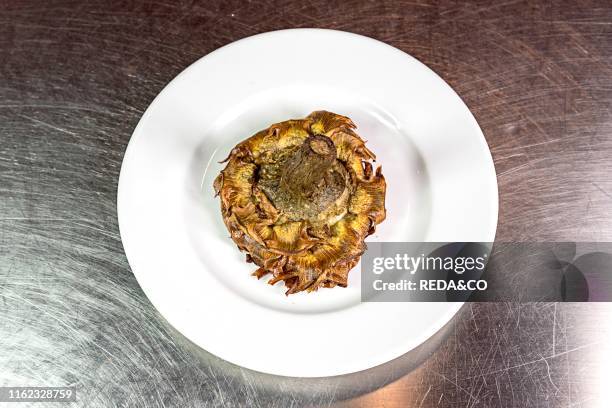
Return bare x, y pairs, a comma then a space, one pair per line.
441, 187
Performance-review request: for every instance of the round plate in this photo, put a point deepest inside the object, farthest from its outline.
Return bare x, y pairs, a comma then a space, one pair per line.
441, 187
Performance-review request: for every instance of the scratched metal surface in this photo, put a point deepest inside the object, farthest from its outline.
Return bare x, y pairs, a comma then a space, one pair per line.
76, 76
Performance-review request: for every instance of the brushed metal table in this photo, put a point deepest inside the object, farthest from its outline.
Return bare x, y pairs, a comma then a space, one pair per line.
75, 77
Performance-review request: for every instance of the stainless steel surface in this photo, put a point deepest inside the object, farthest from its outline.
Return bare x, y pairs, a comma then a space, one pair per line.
75, 77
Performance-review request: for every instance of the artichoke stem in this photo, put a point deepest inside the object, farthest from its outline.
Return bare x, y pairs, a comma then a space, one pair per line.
308, 165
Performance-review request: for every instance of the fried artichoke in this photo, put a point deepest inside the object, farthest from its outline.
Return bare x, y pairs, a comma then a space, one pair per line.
300, 197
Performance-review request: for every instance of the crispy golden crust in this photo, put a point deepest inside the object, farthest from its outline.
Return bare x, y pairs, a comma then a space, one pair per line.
311, 252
